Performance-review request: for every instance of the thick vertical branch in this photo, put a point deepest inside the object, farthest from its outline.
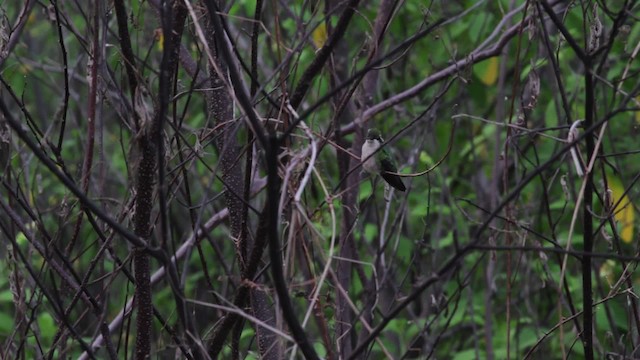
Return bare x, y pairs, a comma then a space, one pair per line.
151, 146
241, 297
220, 112
143, 204
219, 106
271, 154
220, 109
268, 342
141, 222
125, 45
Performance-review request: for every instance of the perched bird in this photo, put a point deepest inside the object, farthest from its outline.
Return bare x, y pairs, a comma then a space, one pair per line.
381, 163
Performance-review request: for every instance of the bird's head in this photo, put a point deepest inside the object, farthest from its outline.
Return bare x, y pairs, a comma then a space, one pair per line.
374, 134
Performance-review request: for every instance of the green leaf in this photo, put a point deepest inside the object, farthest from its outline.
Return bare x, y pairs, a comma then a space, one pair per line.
370, 232
470, 354
365, 190
47, 325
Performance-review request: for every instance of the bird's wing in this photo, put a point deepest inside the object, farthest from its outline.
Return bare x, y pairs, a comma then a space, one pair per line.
394, 180
388, 167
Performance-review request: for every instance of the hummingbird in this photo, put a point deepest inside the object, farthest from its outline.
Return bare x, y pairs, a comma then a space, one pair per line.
381, 163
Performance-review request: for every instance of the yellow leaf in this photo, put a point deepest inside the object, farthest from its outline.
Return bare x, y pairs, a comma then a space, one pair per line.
607, 271
24, 68
159, 35
624, 212
489, 75
638, 112
319, 35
